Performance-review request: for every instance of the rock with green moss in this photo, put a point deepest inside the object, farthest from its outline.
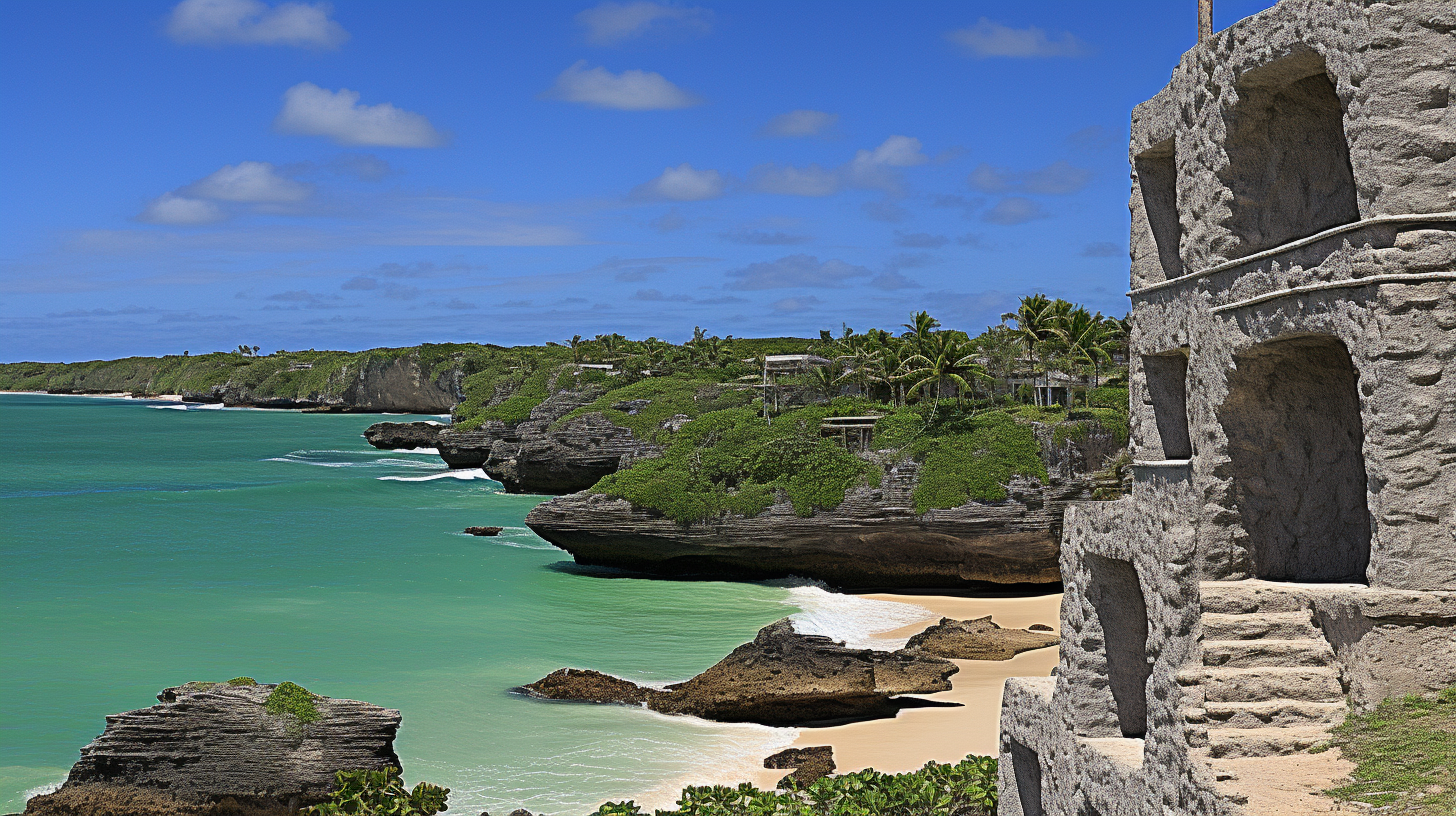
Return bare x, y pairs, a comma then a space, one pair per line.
255, 748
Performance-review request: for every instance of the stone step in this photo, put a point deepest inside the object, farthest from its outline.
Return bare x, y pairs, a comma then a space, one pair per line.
1275, 625
1220, 684
1278, 713
1251, 653
1262, 742
1248, 597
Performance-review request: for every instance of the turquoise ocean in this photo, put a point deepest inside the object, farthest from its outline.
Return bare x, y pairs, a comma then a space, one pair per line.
145, 545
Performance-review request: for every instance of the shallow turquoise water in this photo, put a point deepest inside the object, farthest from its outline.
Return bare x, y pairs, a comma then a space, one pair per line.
145, 547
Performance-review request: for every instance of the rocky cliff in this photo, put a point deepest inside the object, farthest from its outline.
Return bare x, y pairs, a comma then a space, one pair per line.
377, 385
873, 539
403, 435
543, 454
781, 677
222, 748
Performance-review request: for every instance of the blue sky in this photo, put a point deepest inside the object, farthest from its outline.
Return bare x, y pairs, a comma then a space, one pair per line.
295, 175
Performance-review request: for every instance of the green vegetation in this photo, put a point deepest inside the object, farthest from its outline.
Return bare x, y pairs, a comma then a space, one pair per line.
242, 681
380, 793
967, 788
1405, 755
293, 699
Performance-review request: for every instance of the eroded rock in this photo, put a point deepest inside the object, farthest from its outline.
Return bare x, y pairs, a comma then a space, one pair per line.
403, 435
781, 677
809, 764
978, 639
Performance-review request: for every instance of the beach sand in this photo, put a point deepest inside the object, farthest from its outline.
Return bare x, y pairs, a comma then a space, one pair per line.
916, 735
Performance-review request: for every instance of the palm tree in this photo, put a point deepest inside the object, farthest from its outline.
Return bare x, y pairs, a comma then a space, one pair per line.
948, 357
919, 328
825, 379
1085, 338
576, 347
1036, 322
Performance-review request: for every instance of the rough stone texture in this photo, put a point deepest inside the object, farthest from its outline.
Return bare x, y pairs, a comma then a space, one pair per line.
810, 764
873, 539
483, 531
781, 677
403, 435
396, 384
542, 455
1306, 385
213, 748
978, 639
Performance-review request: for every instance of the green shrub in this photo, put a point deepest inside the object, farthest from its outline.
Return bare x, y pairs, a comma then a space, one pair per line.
691, 394
380, 793
292, 699
242, 681
975, 464
1109, 396
967, 788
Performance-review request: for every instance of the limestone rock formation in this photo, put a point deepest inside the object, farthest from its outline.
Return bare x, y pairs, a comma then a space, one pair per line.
873, 539
977, 639
809, 764
402, 435
781, 677
484, 531
542, 456
393, 384
214, 748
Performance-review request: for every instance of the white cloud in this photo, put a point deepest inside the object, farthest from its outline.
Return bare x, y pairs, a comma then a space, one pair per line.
309, 110
248, 182
1014, 210
792, 271
683, 183
991, 39
790, 305
170, 208
800, 181
800, 123
215, 22
1057, 178
610, 23
630, 90
872, 169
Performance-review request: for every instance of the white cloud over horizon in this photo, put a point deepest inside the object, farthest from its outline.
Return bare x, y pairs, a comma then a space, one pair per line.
988, 38
250, 22
247, 182
611, 23
795, 271
799, 124
631, 90
309, 110
683, 183
170, 208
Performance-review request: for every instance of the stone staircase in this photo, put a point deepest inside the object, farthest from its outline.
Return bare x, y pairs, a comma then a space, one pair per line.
1268, 685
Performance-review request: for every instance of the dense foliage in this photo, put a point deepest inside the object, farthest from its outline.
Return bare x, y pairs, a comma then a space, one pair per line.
1405, 755
967, 788
292, 699
380, 793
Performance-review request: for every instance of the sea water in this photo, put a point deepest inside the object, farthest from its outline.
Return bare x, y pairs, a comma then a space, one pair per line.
143, 546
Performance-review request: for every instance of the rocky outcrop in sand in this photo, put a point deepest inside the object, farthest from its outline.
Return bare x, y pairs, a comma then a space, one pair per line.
978, 639
215, 748
809, 764
780, 678
873, 539
543, 455
402, 435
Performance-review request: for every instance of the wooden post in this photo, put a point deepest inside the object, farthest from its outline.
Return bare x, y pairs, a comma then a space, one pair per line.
1205, 19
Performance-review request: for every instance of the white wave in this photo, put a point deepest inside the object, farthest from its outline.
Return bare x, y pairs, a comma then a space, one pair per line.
427, 451
42, 790
210, 406
169, 407
463, 475
859, 622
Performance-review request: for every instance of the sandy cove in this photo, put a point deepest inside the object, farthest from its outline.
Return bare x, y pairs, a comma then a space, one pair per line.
917, 735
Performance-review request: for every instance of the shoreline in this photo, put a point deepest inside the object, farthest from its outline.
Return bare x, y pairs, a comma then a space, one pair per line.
109, 395
914, 736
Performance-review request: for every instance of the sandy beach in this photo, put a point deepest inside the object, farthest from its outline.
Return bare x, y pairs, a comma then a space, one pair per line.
917, 735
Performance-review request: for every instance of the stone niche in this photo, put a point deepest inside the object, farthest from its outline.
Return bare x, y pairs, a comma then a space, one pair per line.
1288, 172
1157, 180
1026, 766
1122, 613
1292, 418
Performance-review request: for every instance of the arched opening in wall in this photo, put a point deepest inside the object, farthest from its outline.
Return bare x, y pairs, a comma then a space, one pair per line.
1292, 418
1157, 176
1122, 612
1288, 160
1026, 767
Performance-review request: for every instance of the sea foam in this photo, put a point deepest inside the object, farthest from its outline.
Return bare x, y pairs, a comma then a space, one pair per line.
859, 622
464, 475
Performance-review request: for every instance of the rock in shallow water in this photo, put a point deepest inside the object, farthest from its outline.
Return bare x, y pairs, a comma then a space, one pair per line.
780, 678
215, 749
403, 435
